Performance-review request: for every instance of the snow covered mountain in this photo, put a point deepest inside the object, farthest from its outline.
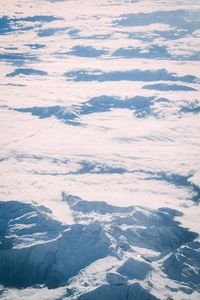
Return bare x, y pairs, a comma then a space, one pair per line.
99, 133
109, 252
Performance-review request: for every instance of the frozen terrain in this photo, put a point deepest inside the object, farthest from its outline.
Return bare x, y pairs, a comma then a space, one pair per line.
99, 149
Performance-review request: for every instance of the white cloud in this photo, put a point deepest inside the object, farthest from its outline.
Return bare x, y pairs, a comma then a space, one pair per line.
113, 155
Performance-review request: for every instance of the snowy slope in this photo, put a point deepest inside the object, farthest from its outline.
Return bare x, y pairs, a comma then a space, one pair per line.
130, 244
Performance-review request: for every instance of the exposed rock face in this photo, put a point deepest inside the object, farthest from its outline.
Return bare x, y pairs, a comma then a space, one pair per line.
109, 292
137, 292
134, 269
116, 279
